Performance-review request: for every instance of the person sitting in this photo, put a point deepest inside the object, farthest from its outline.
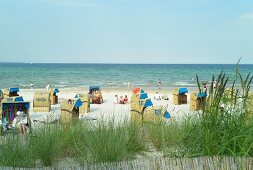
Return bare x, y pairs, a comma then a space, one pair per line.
98, 97
116, 99
157, 96
20, 122
125, 99
121, 100
164, 97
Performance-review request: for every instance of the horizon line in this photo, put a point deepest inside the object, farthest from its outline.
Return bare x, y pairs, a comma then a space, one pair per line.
13, 62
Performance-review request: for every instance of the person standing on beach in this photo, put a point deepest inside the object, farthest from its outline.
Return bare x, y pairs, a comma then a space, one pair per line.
204, 88
159, 84
48, 86
31, 85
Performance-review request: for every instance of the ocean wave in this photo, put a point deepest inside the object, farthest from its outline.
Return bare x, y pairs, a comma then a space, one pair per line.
60, 85
184, 84
181, 82
24, 85
139, 84
63, 82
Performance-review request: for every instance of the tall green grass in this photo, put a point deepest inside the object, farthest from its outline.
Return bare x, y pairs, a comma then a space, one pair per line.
80, 141
47, 144
16, 152
222, 128
107, 142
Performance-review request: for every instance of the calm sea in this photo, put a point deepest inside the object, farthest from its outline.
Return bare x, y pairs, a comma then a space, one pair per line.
111, 75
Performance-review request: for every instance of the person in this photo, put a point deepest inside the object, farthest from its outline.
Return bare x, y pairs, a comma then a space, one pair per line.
31, 85
204, 88
157, 96
48, 86
214, 84
129, 84
159, 84
98, 98
116, 99
20, 121
121, 100
125, 99
165, 97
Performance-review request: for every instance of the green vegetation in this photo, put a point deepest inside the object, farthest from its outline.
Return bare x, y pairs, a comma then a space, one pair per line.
81, 141
223, 128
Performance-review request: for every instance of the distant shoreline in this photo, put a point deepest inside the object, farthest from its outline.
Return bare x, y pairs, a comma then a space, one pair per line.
122, 63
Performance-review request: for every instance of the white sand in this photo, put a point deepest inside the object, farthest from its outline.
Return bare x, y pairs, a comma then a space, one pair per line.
105, 111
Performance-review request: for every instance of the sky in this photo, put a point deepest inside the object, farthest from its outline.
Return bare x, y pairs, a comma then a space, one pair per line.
126, 31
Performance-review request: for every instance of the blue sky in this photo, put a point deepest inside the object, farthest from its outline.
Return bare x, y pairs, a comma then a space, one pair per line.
130, 31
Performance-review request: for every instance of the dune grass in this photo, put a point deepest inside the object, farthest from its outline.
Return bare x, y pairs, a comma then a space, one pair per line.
81, 141
14, 152
107, 143
223, 128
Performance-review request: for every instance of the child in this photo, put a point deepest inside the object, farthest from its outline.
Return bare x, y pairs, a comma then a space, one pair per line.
125, 99
121, 100
116, 99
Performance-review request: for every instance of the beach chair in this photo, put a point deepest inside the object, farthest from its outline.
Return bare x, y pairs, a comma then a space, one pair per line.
53, 96
197, 101
11, 99
95, 95
179, 96
42, 102
249, 106
139, 101
11, 92
85, 99
70, 110
156, 114
138, 108
9, 111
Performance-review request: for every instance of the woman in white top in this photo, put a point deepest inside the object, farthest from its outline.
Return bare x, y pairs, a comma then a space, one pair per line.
20, 121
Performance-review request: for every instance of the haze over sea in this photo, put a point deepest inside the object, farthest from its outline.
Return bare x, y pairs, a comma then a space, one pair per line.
111, 75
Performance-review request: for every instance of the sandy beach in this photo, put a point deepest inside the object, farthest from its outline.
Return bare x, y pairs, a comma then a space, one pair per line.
107, 110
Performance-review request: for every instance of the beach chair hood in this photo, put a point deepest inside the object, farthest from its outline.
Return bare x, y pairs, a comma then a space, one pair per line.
14, 89
56, 91
137, 90
78, 103
182, 90
148, 103
202, 95
143, 96
93, 88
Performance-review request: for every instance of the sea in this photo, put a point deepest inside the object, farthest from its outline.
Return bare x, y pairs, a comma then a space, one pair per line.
113, 75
